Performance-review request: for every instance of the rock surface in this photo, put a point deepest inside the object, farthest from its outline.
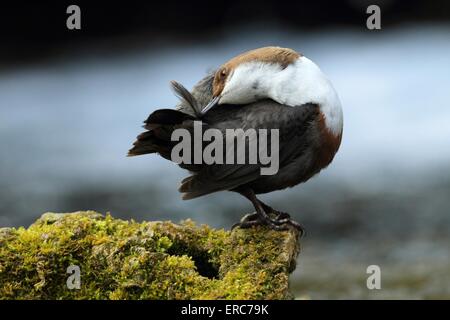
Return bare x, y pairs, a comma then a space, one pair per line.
120, 259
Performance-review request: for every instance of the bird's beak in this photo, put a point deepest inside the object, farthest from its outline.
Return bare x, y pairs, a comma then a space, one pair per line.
211, 104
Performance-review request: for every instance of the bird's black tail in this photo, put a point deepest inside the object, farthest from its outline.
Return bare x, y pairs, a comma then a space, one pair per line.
160, 125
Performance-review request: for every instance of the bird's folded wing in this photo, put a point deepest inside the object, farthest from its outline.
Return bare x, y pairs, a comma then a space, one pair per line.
292, 124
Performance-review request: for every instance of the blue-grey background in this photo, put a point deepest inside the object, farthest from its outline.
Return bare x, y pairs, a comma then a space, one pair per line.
72, 104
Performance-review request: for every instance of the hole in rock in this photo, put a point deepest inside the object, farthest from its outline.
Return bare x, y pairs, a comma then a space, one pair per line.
201, 259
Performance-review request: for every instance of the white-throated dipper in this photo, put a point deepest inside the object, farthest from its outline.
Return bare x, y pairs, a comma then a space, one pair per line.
266, 88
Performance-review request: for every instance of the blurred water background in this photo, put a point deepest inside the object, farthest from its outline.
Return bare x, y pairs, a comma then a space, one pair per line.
67, 121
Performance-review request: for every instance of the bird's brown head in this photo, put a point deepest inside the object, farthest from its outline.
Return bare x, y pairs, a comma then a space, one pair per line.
220, 78
241, 80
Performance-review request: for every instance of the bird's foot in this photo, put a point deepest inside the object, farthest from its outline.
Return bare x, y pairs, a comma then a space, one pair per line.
281, 221
285, 218
260, 222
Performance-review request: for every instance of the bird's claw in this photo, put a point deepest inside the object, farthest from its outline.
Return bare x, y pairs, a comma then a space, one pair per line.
247, 221
285, 218
281, 221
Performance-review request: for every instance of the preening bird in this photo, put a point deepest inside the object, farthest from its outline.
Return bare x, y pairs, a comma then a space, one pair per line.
266, 88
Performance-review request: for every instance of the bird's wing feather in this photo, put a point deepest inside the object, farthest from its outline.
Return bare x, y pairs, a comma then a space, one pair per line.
292, 123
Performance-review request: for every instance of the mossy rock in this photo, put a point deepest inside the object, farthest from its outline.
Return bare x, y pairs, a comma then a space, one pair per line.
150, 260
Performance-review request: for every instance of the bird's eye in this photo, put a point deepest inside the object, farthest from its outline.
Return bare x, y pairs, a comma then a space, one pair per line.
223, 73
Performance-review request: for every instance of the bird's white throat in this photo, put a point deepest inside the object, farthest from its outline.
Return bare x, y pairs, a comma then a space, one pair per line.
299, 83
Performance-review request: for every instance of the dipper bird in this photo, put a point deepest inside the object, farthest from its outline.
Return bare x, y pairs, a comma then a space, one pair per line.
266, 88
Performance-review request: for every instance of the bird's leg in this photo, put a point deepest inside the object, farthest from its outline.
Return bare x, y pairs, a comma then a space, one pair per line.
261, 216
283, 218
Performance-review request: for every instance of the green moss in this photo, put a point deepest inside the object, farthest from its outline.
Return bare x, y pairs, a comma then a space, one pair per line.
150, 260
